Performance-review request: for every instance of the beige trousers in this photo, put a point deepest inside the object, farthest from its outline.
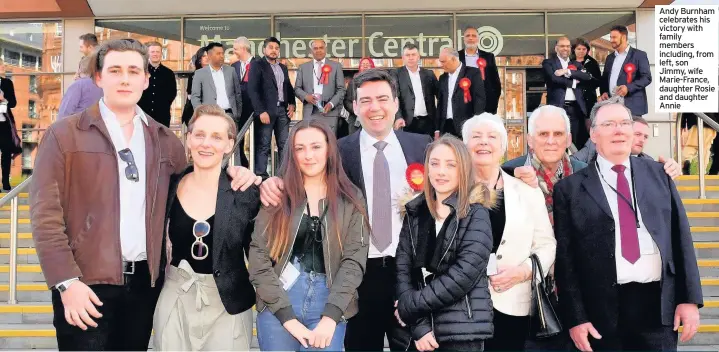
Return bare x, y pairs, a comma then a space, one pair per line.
191, 317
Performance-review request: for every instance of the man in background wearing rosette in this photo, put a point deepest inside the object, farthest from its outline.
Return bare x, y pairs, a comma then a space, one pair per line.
473, 56
626, 73
461, 93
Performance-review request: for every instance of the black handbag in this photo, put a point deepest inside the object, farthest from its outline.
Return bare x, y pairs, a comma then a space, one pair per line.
543, 319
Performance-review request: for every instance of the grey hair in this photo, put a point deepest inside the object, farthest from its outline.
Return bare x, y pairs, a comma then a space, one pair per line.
243, 42
546, 110
615, 100
318, 39
451, 51
489, 119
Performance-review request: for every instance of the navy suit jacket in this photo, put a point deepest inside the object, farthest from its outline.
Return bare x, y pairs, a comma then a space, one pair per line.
461, 111
492, 82
584, 227
636, 98
262, 88
414, 147
557, 86
246, 102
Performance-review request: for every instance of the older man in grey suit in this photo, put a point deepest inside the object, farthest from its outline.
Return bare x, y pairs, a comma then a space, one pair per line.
218, 84
320, 84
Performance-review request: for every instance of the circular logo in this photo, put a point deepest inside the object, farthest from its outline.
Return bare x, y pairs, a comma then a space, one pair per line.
490, 39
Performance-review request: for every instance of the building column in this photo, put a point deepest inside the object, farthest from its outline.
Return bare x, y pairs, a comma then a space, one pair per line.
73, 29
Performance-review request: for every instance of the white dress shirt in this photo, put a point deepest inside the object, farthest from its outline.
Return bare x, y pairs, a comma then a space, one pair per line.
398, 183
569, 96
420, 108
316, 75
471, 60
132, 194
219, 78
617, 67
452, 82
649, 266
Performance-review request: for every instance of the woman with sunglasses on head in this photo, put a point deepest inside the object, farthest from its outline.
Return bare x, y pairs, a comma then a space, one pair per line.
442, 284
206, 298
307, 256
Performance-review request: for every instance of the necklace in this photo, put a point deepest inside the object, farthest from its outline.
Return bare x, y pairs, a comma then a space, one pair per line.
126, 123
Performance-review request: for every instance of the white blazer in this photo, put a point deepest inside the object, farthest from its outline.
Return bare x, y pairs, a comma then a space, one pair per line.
527, 230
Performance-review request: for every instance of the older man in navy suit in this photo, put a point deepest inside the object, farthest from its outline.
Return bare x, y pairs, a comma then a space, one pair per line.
626, 73
382, 183
626, 269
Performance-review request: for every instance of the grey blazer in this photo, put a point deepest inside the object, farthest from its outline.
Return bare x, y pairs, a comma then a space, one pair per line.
204, 92
333, 92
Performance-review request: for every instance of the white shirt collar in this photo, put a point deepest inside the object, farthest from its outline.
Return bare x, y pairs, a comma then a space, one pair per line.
367, 141
605, 166
565, 60
616, 52
456, 72
413, 73
321, 62
107, 114
212, 69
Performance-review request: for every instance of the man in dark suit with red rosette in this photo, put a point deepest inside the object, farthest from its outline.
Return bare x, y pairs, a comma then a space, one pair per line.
461, 93
626, 73
473, 56
562, 76
626, 270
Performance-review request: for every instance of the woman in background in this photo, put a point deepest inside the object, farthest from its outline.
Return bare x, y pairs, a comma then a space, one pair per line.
199, 60
81, 94
365, 63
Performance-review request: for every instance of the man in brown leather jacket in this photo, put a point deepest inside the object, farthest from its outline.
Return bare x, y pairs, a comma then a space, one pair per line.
97, 207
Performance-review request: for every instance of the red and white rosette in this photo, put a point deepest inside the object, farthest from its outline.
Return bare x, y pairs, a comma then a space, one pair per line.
482, 64
325, 78
629, 69
465, 83
415, 176
247, 73
572, 67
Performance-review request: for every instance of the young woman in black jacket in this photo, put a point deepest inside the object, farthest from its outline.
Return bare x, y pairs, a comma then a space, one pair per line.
445, 244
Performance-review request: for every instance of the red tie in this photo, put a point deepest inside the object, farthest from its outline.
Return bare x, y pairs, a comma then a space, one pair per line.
627, 219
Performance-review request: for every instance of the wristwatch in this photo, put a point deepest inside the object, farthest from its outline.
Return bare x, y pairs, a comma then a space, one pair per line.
62, 287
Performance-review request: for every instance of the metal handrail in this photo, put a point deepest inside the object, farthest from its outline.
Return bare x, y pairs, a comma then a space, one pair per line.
12, 197
702, 119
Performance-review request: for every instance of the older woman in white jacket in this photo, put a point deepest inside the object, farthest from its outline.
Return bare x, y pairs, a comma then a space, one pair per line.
520, 227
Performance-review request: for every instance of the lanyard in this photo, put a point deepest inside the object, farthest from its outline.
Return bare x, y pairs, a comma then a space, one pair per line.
632, 204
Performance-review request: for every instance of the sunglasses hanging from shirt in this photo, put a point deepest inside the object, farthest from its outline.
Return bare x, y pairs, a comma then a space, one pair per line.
633, 203
199, 249
131, 171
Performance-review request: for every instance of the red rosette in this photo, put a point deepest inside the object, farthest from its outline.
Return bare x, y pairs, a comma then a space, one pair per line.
247, 73
629, 69
325, 78
415, 176
465, 83
572, 67
482, 64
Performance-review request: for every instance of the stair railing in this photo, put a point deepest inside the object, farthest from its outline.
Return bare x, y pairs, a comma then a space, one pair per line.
12, 198
702, 119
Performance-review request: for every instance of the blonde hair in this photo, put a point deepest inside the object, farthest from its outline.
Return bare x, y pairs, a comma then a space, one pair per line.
465, 172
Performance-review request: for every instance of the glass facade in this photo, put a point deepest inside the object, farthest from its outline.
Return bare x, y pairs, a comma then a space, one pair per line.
32, 50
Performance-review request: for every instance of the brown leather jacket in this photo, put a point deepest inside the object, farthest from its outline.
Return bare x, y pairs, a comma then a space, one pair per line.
75, 200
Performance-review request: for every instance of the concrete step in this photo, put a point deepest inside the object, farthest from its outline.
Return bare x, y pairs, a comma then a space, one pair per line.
27, 292
29, 273
697, 205
24, 256
42, 336
23, 213
703, 218
693, 180
21, 227
687, 192
26, 313
24, 240
708, 333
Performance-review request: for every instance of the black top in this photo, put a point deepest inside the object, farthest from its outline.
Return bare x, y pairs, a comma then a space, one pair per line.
498, 218
308, 245
157, 99
181, 237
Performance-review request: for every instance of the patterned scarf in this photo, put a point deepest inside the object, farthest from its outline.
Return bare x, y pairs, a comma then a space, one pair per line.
546, 183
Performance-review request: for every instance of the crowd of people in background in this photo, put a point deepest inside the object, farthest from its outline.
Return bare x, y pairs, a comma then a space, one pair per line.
408, 226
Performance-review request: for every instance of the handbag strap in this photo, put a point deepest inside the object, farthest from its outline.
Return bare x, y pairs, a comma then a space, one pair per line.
537, 265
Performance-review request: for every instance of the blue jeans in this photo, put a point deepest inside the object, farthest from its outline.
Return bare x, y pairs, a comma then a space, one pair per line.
308, 297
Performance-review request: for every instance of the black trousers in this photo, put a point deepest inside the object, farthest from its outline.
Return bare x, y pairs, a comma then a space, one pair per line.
126, 322
577, 120
510, 333
367, 329
263, 139
461, 346
639, 323
449, 128
5, 165
422, 125
240, 150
